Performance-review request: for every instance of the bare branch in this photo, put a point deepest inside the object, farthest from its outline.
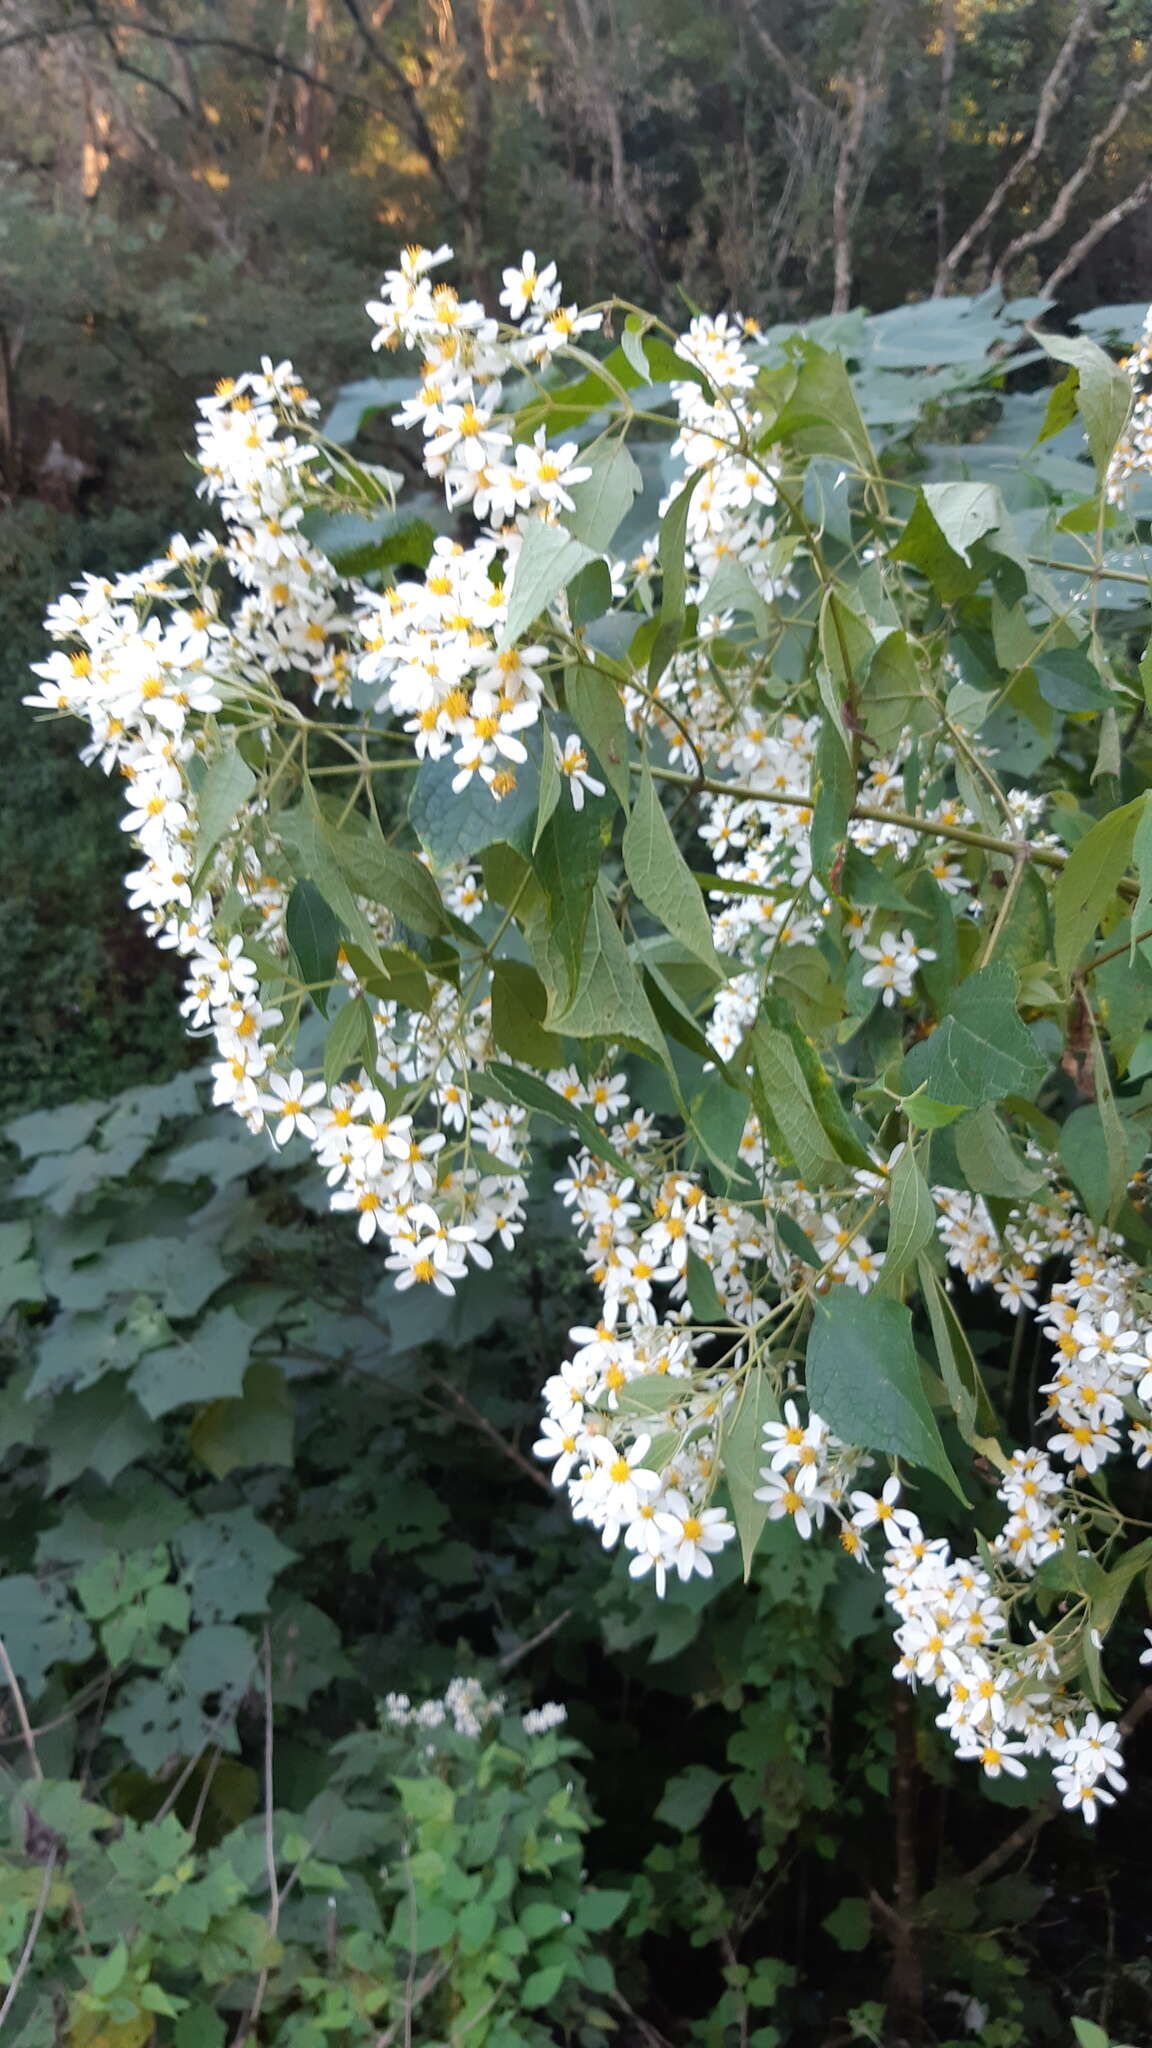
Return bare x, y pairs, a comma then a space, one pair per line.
943, 122
1057, 213
842, 206
1096, 233
1051, 98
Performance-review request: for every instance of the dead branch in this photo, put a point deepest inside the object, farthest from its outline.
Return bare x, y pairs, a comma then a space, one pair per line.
1052, 94
1057, 213
1096, 233
943, 123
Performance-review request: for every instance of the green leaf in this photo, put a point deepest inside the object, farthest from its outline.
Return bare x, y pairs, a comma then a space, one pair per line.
228, 783
989, 1161
519, 1006
540, 1986
703, 1297
508, 1084
551, 788
351, 1040
632, 343
1107, 1597
673, 542
846, 1140
947, 520
849, 1924
255, 1430
1087, 883
786, 1110
833, 791
358, 542
926, 1114
548, 559
209, 1365
609, 1000
386, 874
595, 707
1088, 2034
605, 498
893, 697
847, 647
661, 877
863, 1378
305, 833
101, 1429
958, 1368
232, 1559
964, 513
41, 1628
911, 1218
597, 1908
1103, 392
1067, 679
1060, 410
742, 1456
567, 862
453, 825
314, 934
590, 593
687, 1797
821, 417
1099, 1179
980, 1051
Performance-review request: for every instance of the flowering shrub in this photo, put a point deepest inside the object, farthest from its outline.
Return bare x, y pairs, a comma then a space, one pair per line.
792, 864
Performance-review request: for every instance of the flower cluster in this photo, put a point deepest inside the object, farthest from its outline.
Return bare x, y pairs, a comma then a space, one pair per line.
467, 1710
699, 1250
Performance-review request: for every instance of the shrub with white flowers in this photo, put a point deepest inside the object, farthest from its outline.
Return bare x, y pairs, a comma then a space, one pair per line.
711, 780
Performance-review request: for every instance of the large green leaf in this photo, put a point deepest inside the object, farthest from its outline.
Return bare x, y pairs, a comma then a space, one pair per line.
604, 499
911, 1219
742, 1456
980, 1051
548, 559
388, 875
863, 1378
227, 785
1087, 883
786, 1110
609, 1000
314, 934
207, 1366
1103, 392
661, 877
453, 825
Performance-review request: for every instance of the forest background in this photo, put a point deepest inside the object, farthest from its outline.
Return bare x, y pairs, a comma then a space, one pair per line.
185, 187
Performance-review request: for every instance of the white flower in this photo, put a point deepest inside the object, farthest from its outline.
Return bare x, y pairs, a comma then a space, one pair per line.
572, 762
895, 961
289, 1100
693, 1535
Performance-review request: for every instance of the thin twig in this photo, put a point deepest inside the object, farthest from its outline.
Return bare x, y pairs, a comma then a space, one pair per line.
522, 1650
13, 1684
248, 2025
21, 1969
